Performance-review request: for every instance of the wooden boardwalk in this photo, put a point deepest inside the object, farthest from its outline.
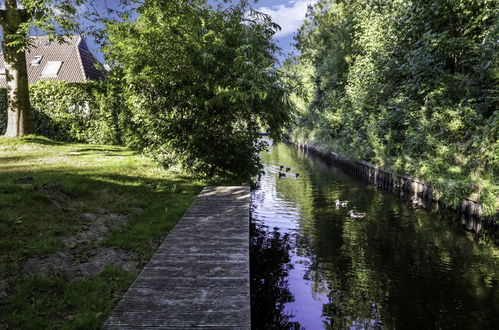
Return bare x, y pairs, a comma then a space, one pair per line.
199, 276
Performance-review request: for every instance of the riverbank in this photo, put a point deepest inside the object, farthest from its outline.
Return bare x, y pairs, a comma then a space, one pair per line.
399, 267
77, 223
420, 192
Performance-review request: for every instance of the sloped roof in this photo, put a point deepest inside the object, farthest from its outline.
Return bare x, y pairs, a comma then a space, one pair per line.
78, 63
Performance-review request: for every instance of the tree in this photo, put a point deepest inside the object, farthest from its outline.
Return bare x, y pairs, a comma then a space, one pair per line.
19, 120
17, 19
411, 85
200, 83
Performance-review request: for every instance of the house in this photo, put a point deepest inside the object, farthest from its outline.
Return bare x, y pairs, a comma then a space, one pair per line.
70, 61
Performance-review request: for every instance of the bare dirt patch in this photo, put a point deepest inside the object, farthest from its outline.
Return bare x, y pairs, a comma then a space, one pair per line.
81, 259
67, 265
3, 287
96, 228
107, 256
55, 193
58, 263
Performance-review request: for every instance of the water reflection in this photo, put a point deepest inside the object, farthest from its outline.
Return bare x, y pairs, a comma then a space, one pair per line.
400, 267
270, 264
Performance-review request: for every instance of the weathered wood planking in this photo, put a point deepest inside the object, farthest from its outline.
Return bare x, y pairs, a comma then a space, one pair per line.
199, 276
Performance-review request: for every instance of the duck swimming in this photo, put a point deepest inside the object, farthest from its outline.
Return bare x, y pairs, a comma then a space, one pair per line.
356, 215
341, 203
282, 175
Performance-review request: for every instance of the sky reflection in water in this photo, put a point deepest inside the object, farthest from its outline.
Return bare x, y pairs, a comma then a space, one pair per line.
313, 267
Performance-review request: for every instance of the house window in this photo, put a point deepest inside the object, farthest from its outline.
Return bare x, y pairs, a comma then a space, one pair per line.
36, 60
52, 68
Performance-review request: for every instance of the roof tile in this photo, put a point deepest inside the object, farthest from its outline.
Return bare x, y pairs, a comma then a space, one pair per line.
78, 63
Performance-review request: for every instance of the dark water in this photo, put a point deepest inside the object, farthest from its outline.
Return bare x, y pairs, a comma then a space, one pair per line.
398, 268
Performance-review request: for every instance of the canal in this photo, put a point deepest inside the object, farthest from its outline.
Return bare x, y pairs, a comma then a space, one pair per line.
314, 267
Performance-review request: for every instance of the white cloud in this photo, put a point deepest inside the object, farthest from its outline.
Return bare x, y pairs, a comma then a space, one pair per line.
289, 16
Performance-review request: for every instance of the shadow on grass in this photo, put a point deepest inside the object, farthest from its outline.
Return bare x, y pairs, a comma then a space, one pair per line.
42, 140
102, 149
154, 205
13, 159
90, 191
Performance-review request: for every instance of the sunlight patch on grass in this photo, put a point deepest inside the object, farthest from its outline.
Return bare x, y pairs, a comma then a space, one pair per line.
51, 192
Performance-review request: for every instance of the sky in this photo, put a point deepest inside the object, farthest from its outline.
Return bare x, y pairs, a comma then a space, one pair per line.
289, 14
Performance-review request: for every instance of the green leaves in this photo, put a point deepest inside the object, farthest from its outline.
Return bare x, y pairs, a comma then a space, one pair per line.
200, 85
85, 112
395, 80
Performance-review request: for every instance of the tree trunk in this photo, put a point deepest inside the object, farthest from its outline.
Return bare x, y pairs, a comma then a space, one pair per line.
19, 117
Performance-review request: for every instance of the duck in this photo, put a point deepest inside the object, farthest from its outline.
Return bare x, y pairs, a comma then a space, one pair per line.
282, 175
356, 215
297, 174
288, 169
281, 167
341, 203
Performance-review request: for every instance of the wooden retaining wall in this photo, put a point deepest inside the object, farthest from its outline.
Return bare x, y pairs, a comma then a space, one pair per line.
418, 191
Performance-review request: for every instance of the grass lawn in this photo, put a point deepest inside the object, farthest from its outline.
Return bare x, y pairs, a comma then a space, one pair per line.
77, 223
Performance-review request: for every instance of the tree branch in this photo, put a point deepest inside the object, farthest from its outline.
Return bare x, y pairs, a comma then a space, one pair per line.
24, 15
2, 17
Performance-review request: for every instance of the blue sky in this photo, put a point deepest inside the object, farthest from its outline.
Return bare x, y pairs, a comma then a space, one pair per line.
289, 14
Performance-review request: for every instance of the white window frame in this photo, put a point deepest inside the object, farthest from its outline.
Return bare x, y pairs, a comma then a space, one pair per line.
52, 68
36, 60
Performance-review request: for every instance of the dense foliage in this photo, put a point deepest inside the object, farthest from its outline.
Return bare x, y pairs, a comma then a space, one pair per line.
74, 112
190, 85
200, 84
410, 85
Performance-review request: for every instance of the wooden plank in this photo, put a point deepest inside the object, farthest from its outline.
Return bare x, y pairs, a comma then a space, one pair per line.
199, 276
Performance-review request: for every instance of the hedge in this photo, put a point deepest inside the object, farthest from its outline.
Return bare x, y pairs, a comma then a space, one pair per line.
74, 112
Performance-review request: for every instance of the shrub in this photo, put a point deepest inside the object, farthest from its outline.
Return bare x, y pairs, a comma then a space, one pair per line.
72, 112
401, 85
200, 84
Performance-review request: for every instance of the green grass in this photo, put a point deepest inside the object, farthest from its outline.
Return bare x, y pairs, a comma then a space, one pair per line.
97, 179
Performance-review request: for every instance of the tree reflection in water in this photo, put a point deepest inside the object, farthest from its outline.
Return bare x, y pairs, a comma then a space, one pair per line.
399, 268
270, 266
337, 318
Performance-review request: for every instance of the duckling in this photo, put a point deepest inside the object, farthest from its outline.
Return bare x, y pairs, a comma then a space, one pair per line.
341, 203
282, 175
297, 174
288, 169
359, 215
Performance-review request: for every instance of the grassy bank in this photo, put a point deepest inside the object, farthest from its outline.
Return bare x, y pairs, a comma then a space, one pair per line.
452, 185
77, 223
